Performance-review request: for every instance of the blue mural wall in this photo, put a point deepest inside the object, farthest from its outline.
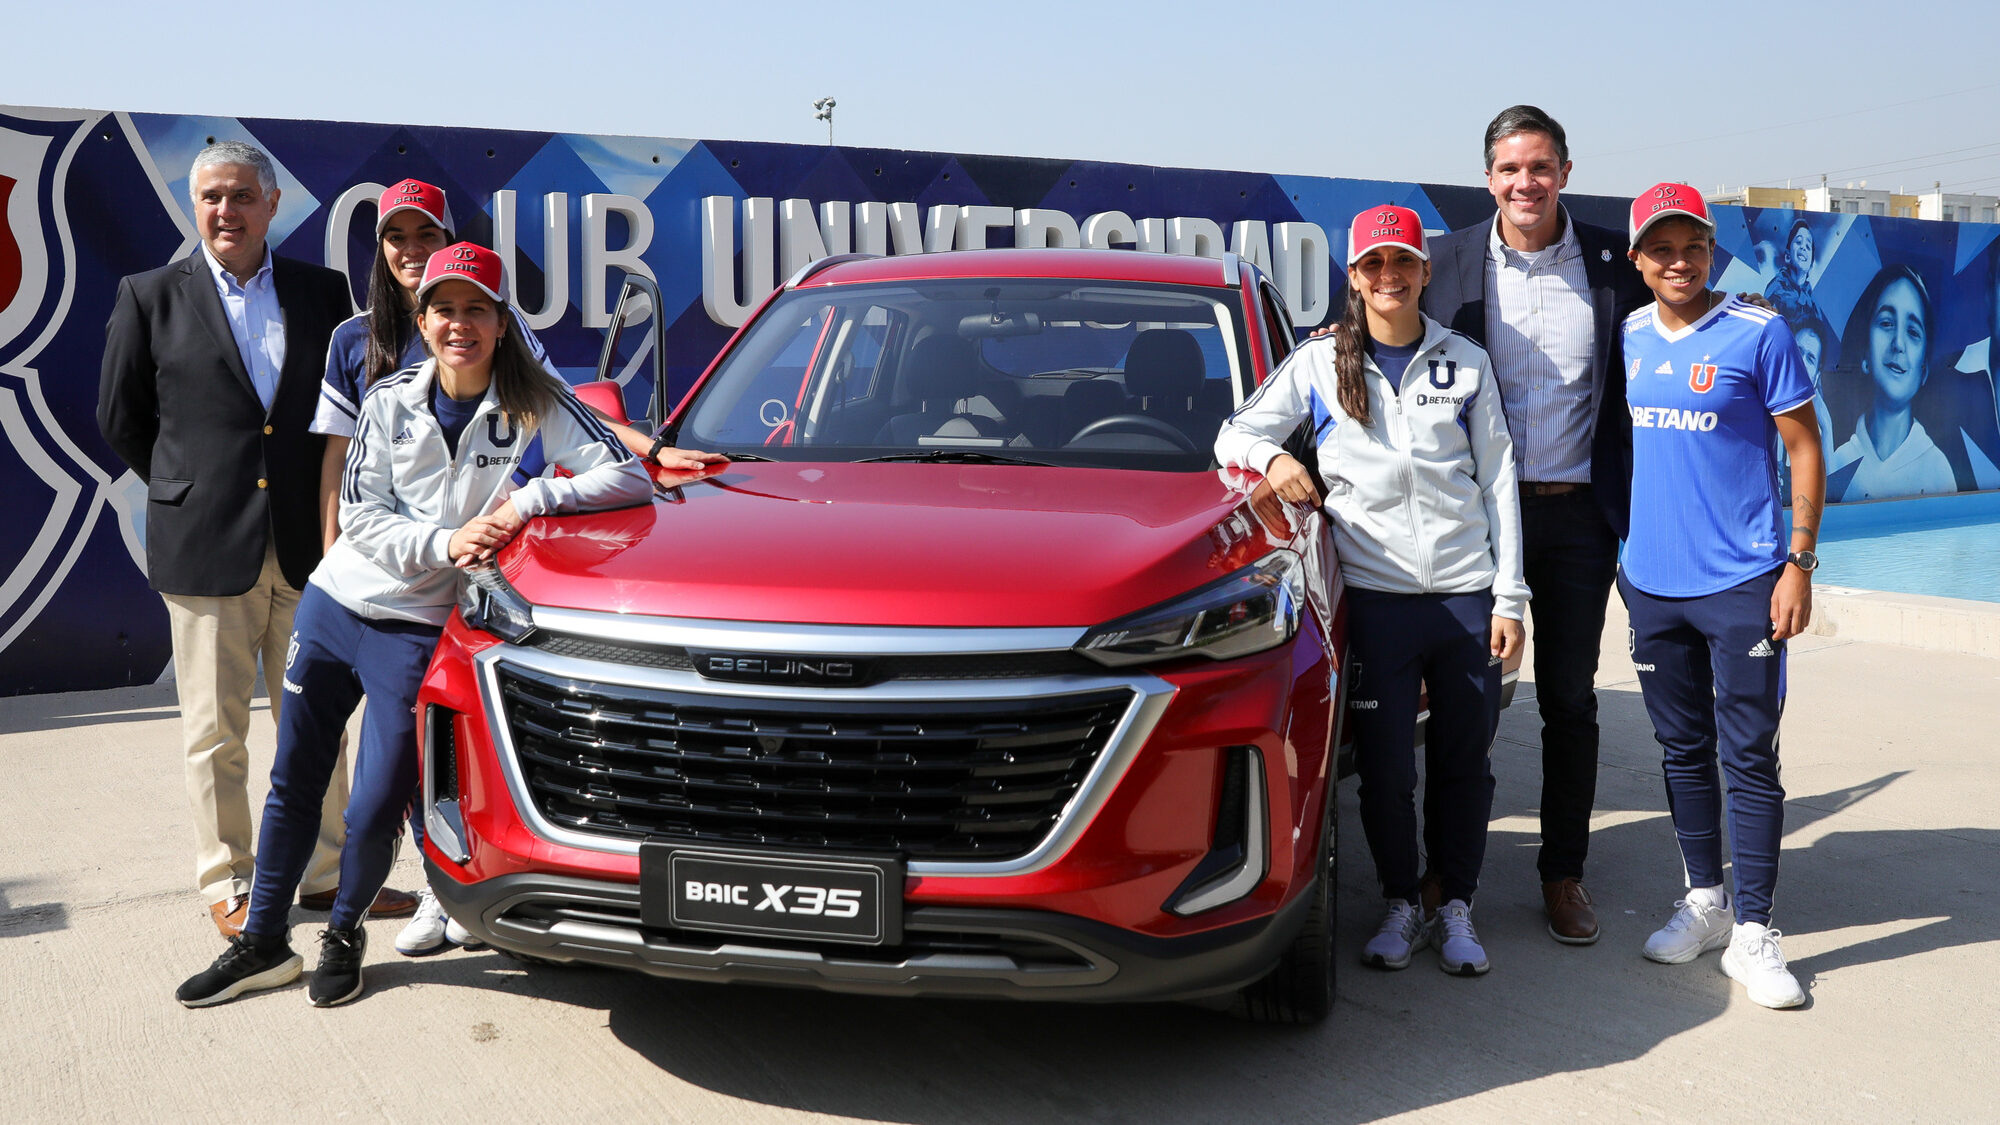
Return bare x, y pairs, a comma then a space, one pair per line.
1895, 315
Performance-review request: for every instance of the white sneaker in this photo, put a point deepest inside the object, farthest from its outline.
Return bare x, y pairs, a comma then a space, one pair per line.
1458, 945
424, 933
1403, 933
460, 936
1754, 961
1695, 928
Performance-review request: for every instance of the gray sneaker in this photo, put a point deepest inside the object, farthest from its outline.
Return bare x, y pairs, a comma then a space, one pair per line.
1695, 928
1459, 951
1403, 932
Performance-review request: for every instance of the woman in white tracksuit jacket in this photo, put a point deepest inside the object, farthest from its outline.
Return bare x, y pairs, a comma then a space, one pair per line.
1418, 479
432, 484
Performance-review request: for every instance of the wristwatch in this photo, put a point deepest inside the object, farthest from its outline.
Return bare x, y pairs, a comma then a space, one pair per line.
653, 454
1804, 560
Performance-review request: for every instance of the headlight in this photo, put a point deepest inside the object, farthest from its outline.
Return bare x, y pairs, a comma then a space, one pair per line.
492, 605
1253, 609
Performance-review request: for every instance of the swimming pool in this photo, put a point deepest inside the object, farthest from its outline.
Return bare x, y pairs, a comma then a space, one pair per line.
1945, 546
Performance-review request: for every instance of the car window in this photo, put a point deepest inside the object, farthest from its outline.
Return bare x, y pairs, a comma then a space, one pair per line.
1053, 370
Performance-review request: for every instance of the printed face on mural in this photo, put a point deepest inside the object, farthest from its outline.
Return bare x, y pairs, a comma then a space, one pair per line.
1811, 348
1800, 250
1898, 342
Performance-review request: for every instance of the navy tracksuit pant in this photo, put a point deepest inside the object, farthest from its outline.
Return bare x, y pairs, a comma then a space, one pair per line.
1714, 684
1398, 645
335, 658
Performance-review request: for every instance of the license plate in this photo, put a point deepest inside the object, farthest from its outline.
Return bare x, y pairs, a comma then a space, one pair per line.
810, 897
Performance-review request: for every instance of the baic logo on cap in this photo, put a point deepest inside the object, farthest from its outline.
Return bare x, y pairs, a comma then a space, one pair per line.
467, 262
1386, 226
411, 195
1664, 201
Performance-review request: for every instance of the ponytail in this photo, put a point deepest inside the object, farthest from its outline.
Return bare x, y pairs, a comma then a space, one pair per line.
1350, 346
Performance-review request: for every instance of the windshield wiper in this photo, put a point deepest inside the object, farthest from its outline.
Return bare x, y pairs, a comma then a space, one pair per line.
956, 456
747, 457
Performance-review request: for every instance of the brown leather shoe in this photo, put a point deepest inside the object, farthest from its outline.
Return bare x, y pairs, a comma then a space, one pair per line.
1571, 919
389, 903
229, 914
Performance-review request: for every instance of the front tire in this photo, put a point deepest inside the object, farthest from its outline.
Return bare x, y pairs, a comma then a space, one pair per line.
1300, 988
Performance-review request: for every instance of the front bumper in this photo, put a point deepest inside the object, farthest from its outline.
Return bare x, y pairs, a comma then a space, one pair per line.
946, 951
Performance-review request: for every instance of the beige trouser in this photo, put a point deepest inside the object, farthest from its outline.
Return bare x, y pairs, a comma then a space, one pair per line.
217, 642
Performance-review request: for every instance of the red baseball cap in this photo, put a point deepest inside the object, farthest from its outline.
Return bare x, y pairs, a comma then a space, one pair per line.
466, 261
1668, 201
1387, 225
412, 195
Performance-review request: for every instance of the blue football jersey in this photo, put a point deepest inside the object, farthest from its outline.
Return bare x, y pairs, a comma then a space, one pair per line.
1706, 514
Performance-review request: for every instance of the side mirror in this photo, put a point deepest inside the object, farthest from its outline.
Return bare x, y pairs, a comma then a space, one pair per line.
637, 301
605, 396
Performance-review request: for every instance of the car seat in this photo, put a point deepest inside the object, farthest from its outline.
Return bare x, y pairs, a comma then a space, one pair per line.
1164, 369
939, 376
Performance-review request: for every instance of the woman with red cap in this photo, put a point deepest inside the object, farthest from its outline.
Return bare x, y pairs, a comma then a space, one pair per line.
413, 222
429, 485
1417, 474
1715, 577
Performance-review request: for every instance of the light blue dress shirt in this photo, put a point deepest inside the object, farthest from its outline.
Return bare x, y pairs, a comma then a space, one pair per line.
1540, 333
256, 321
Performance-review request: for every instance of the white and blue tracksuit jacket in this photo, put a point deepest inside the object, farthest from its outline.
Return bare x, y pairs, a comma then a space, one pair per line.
404, 493
1425, 501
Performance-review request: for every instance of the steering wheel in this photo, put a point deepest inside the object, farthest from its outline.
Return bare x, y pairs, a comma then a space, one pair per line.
1139, 422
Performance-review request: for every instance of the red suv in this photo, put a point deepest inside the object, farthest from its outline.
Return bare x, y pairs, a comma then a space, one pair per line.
969, 675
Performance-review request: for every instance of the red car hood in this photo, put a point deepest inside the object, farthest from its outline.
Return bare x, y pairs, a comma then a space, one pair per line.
893, 544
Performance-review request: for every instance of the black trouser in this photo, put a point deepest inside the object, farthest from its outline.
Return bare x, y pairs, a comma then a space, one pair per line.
1571, 557
1402, 644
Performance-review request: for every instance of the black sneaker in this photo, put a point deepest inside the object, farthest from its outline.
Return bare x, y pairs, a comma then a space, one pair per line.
337, 979
249, 964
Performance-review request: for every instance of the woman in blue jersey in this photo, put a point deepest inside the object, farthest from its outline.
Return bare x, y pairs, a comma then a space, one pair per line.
429, 486
412, 223
1715, 577
1420, 488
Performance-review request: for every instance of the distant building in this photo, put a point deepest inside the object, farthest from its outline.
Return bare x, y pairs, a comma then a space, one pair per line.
1956, 208
1860, 199
1790, 198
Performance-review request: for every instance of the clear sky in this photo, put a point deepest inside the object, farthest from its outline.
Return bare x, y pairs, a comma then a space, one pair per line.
1898, 95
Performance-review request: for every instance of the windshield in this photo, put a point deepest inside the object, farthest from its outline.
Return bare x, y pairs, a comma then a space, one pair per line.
1047, 371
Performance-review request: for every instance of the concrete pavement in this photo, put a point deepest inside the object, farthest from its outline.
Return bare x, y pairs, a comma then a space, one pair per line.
1887, 898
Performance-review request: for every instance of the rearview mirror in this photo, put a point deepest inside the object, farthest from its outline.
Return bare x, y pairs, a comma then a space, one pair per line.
997, 324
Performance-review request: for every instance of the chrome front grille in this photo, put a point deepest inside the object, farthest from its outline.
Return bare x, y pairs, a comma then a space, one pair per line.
940, 780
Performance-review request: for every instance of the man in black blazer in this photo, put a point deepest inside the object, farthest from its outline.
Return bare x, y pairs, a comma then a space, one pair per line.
212, 366
1547, 297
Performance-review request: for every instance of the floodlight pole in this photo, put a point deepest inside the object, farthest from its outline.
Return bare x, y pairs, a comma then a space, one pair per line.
823, 111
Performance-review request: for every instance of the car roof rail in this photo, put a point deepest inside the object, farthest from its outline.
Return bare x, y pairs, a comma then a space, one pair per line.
1231, 264
818, 264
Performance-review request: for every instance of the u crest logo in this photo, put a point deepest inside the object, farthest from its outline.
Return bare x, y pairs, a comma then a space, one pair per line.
1450, 374
1701, 377
493, 429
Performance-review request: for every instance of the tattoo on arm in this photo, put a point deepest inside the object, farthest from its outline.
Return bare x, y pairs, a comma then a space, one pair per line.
1806, 512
